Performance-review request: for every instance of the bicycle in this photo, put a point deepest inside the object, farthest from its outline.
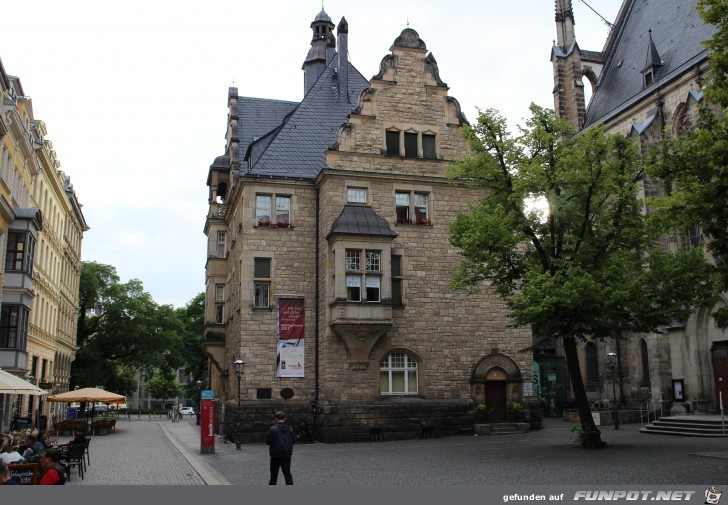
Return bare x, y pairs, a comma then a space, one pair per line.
224, 431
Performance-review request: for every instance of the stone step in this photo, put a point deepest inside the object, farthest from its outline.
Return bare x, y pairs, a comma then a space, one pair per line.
687, 427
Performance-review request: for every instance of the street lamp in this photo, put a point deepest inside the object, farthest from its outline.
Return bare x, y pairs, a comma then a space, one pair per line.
239, 367
199, 401
612, 362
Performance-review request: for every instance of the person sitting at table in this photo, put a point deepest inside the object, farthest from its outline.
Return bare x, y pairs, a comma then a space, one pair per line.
79, 437
52, 473
32, 446
5, 478
10, 455
40, 436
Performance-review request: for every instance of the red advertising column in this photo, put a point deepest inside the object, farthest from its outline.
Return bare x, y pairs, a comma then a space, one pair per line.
207, 422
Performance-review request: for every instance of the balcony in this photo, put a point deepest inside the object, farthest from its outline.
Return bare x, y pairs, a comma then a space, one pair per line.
360, 326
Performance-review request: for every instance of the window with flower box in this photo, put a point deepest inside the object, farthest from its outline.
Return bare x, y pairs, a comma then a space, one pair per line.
267, 215
398, 374
370, 278
412, 207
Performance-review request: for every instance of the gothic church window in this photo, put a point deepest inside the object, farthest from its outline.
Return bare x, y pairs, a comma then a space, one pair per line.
592, 363
645, 363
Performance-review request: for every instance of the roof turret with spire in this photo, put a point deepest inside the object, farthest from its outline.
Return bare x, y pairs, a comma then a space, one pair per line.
323, 48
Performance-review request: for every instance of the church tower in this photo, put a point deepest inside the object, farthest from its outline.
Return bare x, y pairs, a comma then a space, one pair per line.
568, 90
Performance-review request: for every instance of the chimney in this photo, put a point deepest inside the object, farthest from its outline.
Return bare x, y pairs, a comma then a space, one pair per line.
342, 41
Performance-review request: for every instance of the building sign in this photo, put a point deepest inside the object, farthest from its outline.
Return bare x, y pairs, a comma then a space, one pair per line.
207, 422
291, 337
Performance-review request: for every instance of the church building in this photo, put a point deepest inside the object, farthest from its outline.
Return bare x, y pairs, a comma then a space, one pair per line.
646, 82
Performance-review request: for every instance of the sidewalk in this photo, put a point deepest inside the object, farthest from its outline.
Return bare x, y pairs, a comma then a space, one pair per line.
163, 452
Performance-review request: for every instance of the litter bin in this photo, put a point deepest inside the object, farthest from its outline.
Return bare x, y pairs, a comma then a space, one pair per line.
71, 413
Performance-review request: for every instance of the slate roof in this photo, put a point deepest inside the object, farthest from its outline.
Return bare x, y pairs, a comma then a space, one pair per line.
258, 117
297, 147
677, 32
360, 219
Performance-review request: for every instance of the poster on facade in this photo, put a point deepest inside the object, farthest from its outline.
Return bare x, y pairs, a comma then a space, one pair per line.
291, 338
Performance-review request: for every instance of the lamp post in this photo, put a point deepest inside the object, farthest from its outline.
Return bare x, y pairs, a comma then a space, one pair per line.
199, 402
612, 361
239, 367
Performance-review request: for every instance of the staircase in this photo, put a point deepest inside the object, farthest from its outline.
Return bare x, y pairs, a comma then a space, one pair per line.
688, 426
501, 428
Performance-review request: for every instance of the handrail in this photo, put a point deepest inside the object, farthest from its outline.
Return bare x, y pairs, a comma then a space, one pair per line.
647, 410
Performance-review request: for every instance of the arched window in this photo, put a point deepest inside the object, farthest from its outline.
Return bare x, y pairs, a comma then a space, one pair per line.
398, 374
592, 363
645, 363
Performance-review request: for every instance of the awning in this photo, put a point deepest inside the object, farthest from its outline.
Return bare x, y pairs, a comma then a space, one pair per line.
12, 384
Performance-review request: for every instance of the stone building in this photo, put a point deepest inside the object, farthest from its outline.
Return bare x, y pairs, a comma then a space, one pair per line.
328, 258
646, 81
41, 230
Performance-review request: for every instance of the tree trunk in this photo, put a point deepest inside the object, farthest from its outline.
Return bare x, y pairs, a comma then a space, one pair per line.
592, 437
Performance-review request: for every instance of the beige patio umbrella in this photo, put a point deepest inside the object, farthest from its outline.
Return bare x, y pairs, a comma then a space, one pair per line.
91, 395
12, 384
87, 395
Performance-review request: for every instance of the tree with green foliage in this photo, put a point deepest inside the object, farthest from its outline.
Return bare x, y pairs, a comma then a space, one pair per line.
590, 267
125, 330
694, 166
163, 384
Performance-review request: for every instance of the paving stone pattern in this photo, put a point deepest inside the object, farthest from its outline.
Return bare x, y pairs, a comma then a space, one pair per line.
162, 452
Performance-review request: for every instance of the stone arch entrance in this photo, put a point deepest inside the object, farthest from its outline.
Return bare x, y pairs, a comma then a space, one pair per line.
496, 381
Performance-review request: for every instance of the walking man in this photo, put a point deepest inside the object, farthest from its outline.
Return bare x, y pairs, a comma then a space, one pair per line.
280, 438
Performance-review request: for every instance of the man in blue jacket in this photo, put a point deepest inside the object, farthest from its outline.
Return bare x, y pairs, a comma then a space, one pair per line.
280, 438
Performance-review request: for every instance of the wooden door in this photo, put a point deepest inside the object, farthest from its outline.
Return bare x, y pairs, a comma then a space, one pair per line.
495, 398
719, 352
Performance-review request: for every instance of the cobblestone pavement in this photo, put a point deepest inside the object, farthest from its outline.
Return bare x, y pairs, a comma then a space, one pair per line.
139, 452
162, 452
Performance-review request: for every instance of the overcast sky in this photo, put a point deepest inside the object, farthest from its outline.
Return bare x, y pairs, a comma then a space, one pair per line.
134, 95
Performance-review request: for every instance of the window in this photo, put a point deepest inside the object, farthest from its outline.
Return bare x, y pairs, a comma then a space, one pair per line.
356, 195
421, 213
261, 283
398, 375
392, 143
396, 281
410, 145
221, 245
263, 209
283, 209
219, 292
592, 363
402, 202
219, 309
353, 260
645, 362
405, 211
428, 147
13, 326
372, 275
20, 250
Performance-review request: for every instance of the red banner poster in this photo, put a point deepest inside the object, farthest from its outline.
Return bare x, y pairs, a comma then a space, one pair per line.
290, 318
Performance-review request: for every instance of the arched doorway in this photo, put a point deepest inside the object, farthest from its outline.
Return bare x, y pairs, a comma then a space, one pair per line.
496, 381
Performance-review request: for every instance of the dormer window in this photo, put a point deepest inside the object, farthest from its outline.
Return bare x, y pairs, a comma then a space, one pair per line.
649, 78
